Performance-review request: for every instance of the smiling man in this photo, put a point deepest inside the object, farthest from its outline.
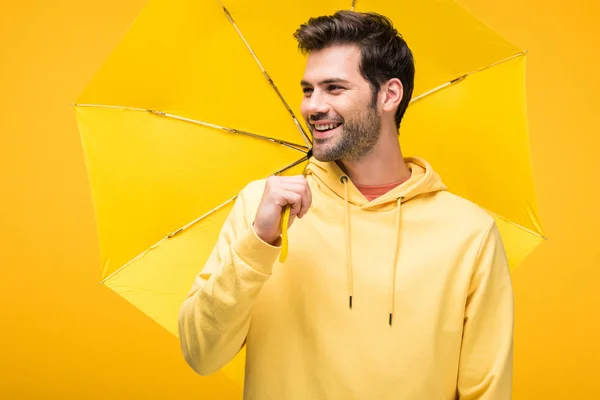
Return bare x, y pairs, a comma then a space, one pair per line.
394, 288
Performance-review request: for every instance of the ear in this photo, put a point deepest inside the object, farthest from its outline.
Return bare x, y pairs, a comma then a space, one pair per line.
392, 94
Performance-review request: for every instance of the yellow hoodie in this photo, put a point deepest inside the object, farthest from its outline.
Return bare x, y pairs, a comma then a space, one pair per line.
405, 297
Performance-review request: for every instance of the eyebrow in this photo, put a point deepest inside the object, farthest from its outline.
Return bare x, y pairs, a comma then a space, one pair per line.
325, 82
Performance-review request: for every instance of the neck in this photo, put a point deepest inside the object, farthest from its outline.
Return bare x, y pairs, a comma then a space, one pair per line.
384, 164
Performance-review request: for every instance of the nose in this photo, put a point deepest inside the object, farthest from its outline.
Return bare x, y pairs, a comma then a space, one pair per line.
315, 104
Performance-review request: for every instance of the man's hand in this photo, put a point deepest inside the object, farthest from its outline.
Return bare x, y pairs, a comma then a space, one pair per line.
279, 192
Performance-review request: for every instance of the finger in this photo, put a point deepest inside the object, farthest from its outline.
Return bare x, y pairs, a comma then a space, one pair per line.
306, 200
304, 190
293, 179
306, 204
284, 197
295, 200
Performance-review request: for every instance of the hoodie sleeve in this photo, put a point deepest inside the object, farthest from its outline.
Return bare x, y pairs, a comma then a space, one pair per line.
215, 317
486, 359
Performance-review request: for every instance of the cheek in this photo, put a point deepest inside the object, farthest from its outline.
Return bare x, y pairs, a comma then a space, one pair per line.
347, 102
344, 109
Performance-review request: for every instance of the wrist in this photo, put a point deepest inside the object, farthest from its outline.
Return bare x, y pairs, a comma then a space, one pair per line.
270, 240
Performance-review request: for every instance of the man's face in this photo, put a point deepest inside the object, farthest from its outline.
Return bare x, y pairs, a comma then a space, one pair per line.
338, 105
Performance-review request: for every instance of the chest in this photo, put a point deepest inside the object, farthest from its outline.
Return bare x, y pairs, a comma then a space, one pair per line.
328, 242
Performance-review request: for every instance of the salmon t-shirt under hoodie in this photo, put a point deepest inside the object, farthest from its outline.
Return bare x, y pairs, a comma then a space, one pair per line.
405, 297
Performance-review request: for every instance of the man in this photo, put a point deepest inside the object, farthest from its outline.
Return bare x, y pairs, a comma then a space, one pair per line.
393, 288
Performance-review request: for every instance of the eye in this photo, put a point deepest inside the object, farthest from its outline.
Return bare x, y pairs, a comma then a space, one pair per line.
335, 88
307, 91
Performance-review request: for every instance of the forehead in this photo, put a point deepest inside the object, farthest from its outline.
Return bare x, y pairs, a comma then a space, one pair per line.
340, 61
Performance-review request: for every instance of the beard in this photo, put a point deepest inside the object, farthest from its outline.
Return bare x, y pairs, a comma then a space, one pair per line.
356, 138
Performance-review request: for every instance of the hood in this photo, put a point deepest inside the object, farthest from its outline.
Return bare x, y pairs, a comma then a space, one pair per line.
423, 180
333, 180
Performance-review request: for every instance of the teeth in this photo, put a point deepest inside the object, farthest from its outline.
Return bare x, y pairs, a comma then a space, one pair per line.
324, 127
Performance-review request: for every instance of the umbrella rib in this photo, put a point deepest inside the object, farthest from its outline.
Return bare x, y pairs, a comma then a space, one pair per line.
200, 218
517, 225
462, 77
353, 4
170, 235
206, 124
268, 77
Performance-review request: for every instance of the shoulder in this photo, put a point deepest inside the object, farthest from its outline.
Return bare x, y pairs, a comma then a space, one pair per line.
462, 207
465, 229
252, 193
254, 188
466, 217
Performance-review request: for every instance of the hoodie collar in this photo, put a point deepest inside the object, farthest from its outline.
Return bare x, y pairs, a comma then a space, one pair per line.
423, 180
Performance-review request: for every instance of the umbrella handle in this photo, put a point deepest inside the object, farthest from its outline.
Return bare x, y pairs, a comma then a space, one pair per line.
285, 218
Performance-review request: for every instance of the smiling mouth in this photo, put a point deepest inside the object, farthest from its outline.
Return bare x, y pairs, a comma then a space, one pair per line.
324, 127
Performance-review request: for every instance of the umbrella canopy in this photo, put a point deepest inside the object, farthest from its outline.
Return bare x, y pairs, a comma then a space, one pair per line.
201, 97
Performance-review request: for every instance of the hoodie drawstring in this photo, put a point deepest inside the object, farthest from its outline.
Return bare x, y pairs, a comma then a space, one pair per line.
344, 181
395, 260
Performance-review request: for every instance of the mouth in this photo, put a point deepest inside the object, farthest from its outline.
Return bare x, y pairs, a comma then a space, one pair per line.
321, 130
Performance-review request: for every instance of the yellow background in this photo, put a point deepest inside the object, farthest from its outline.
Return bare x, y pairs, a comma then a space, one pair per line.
64, 336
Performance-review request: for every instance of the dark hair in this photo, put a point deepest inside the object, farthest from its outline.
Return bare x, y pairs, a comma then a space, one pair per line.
384, 53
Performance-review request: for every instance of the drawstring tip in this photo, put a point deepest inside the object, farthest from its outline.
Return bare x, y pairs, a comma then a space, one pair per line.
351, 302
390, 319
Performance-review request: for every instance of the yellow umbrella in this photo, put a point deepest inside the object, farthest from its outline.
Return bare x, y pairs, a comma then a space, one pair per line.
199, 98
